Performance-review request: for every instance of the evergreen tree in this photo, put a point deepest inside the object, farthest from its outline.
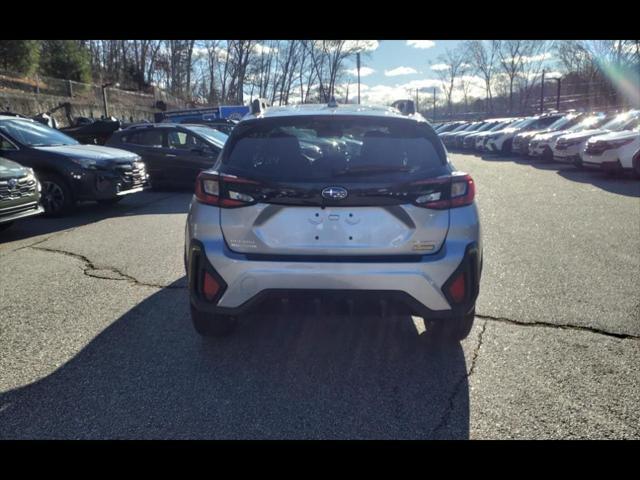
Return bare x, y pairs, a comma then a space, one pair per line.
20, 56
66, 59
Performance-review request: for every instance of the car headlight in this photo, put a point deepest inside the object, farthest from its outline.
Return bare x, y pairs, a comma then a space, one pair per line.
575, 141
609, 144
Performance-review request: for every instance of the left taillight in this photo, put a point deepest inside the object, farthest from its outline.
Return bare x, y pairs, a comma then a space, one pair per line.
209, 190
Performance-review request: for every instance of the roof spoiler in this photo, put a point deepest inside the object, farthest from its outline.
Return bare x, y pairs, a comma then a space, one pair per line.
406, 107
258, 106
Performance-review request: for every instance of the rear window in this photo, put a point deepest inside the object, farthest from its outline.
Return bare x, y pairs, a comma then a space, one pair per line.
148, 138
330, 149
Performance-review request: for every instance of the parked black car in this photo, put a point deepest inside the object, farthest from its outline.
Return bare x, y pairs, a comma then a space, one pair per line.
68, 171
173, 153
225, 125
19, 193
95, 132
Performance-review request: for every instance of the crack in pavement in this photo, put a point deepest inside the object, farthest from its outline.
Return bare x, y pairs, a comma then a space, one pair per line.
561, 326
93, 271
458, 386
71, 229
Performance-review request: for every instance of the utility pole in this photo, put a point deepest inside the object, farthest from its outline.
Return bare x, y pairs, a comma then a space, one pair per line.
434, 104
542, 93
559, 79
417, 102
104, 99
358, 65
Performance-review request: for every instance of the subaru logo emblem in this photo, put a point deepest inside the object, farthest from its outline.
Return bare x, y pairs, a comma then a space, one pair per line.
335, 193
12, 183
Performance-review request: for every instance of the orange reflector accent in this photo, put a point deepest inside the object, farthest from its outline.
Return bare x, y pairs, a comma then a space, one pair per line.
209, 286
457, 288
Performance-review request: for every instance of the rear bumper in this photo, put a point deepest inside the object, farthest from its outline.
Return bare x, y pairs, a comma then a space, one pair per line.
419, 286
409, 287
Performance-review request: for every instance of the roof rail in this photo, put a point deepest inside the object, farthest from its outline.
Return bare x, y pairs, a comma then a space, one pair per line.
258, 106
406, 107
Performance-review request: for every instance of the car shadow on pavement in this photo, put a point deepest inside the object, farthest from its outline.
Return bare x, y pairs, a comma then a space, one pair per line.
148, 375
622, 184
90, 212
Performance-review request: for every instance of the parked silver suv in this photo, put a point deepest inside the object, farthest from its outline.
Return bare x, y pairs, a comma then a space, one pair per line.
381, 216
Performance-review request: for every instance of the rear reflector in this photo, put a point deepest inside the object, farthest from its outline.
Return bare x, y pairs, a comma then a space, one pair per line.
457, 288
210, 286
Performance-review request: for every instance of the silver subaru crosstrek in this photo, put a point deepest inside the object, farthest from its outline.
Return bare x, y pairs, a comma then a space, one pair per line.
334, 202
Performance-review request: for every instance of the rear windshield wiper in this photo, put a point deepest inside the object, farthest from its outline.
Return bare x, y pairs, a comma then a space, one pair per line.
366, 169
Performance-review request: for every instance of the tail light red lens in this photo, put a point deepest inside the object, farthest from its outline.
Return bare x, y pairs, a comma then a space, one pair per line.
457, 289
209, 190
463, 191
210, 286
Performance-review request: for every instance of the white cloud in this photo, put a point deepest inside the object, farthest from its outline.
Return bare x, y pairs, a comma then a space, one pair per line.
362, 45
364, 71
440, 66
422, 85
260, 49
536, 58
421, 43
352, 45
399, 71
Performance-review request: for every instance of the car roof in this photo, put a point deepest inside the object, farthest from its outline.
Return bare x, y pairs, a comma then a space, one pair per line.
324, 109
15, 117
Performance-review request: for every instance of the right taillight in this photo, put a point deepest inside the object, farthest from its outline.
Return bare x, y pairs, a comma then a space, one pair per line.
462, 192
209, 190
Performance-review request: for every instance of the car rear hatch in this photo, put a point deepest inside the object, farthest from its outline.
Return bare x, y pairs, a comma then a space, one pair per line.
380, 188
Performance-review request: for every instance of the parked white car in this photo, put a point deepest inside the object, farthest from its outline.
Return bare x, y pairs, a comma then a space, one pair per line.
541, 146
613, 152
568, 148
500, 141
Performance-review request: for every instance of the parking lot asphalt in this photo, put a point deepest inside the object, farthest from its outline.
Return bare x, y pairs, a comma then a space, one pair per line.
96, 341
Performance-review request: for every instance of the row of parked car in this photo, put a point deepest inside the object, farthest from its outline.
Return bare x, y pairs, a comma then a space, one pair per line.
46, 171
606, 141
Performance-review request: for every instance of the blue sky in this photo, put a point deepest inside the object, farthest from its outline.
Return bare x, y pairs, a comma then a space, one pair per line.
392, 54
394, 69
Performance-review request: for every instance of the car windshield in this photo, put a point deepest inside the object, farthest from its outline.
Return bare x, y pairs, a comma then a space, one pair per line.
216, 137
34, 134
460, 128
563, 122
355, 148
621, 122
486, 126
590, 122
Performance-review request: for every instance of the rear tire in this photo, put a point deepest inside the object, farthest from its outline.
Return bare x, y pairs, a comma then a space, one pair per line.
453, 329
211, 324
506, 147
636, 166
57, 198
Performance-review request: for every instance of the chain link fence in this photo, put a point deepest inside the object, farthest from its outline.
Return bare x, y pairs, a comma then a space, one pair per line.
87, 92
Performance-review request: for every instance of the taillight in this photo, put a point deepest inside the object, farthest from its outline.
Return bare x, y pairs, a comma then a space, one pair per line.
462, 192
457, 288
209, 190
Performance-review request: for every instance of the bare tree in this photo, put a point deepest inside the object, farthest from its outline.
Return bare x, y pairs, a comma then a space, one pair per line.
482, 55
449, 68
